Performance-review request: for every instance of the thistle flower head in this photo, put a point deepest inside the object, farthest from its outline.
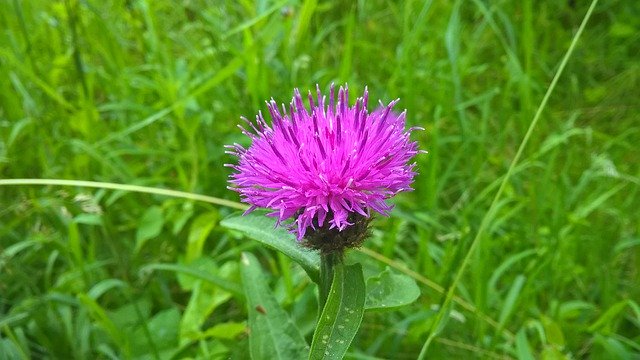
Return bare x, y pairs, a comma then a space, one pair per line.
326, 166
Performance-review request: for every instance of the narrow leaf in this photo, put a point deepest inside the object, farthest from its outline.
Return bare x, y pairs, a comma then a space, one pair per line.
509, 303
196, 273
523, 348
605, 322
105, 285
612, 348
342, 314
272, 334
102, 319
492, 288
261, 228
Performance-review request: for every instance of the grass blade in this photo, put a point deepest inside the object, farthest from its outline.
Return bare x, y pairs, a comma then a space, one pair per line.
124, 187
486, 220
196, 273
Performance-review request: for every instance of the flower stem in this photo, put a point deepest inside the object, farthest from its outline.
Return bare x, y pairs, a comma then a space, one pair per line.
328, 262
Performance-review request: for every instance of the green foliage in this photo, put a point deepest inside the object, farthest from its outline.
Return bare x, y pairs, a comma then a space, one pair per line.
150, 226
259, 227
340, 318
146, 93
273, 334
388, 290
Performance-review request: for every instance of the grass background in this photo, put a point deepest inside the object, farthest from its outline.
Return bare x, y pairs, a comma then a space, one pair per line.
148, 92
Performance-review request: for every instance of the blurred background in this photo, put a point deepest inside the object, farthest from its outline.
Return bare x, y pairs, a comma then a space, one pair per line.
147, 93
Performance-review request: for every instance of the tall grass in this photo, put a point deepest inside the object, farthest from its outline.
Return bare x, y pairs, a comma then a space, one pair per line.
142, 95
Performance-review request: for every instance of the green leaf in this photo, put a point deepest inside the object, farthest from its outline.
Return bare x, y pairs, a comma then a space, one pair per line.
605, 322
16, 248
196, 273
204, 300
552, 353
261, 228
272, 334
509, 304
131, 314
626, 244
75, 243
573, 309
388, 290
150, 226
88, 219
200, 229
492, 288
523, 348
205, 265
553, 332
102, 318
250, 22
342, 314
159, 337
612, 347
105, 285
9, 351
11, 320
228, 330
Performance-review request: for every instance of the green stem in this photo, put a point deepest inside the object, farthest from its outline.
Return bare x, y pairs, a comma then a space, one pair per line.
327, 265
124, 187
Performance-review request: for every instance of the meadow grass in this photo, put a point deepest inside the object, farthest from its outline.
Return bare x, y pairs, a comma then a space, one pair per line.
131, 102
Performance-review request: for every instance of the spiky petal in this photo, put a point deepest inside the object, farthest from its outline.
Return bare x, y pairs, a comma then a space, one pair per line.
324, 163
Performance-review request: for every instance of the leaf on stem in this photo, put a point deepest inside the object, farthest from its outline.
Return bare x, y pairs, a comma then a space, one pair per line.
388, 290
272, 334
261, 228
342, 314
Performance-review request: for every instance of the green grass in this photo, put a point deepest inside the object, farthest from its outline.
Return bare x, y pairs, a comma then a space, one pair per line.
146, 93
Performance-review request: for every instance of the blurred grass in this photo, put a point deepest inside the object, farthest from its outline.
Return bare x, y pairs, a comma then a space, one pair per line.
147, 92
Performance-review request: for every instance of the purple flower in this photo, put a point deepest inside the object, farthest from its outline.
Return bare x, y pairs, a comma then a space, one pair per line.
325, 165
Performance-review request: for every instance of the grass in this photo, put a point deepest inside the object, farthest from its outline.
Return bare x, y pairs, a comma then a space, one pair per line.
146, 93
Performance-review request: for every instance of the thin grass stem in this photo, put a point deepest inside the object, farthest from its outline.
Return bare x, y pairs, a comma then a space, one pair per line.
488, 217
125, 187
